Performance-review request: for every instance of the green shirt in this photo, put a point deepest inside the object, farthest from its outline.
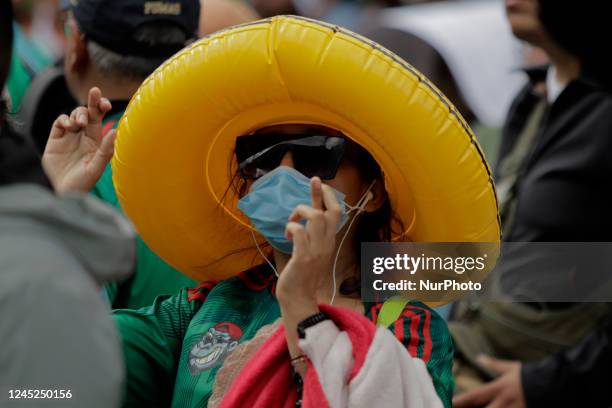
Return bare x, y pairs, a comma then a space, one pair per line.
152, 276
27, 61
174, 348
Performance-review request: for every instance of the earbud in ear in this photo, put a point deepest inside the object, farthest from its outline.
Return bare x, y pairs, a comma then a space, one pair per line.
369, 196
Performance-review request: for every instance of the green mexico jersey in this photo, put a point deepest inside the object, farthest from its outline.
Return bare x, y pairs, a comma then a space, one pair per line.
174, 348
152, 276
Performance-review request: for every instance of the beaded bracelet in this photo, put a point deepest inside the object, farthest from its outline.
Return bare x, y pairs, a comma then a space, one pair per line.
297, 378
302, 358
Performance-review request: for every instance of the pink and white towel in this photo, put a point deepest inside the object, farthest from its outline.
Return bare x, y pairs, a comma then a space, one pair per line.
352, 363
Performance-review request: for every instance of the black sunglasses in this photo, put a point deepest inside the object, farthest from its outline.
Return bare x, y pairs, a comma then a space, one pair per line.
312, 155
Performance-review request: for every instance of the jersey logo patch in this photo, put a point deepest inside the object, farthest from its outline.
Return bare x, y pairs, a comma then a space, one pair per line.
216, 344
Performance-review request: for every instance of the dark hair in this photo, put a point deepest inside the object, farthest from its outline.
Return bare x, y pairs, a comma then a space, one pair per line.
377, 226
579, 28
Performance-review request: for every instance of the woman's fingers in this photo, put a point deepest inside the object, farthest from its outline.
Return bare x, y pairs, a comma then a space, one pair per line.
303, 212
104, 106
58, 129
321, 220
315, 193
297, 233
68, 124
89, 117
333, 211
80, 116
316, 219
103, 154
93, 100
97, 107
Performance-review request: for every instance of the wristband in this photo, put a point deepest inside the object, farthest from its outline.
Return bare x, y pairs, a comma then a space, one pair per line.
309, 322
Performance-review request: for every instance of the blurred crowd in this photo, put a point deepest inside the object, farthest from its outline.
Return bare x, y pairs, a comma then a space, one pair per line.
530, 76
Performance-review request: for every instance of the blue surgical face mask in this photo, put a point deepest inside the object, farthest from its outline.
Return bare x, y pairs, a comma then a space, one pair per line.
273, 198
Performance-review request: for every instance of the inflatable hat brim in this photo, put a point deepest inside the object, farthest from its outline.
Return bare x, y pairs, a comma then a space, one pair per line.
174, 164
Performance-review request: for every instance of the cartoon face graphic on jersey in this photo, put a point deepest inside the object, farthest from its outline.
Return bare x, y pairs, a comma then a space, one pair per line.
213, 347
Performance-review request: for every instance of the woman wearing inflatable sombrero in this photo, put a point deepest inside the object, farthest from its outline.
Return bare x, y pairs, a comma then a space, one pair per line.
257, 161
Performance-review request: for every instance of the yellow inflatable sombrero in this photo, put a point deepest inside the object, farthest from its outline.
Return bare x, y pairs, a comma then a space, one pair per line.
174, 161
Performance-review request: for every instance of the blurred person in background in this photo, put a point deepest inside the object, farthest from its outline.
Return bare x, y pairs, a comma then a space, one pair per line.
46, 94
352, 14
114, 45
35, 46
40, 21
219, 14
467, 50
556, 164
270, 8
55, 252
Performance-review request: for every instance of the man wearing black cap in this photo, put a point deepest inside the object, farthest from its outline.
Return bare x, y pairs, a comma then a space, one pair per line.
114, 45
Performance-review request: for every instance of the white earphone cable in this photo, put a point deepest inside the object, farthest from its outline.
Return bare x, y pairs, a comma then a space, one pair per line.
263, 255
360, 208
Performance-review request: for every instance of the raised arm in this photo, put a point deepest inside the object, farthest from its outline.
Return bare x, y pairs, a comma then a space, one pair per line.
77, 153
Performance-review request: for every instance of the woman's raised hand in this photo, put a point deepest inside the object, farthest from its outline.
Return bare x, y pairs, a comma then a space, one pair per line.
314, 245
76, 153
